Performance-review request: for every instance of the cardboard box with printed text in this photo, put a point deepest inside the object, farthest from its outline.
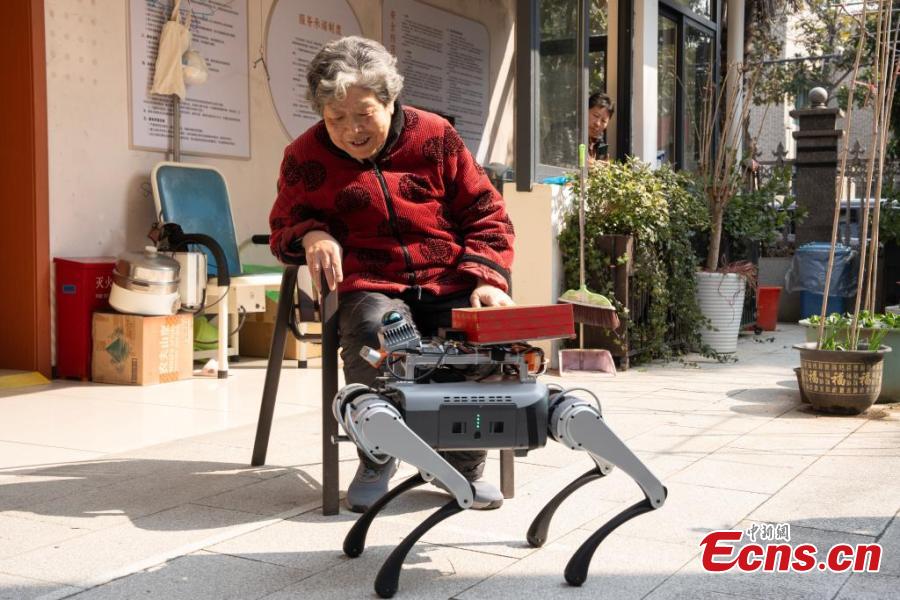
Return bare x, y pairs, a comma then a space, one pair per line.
139, 350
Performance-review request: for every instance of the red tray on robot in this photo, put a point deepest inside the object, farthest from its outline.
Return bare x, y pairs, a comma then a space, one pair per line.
504, 324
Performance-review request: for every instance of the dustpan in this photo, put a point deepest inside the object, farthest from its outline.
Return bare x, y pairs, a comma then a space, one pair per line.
591, 361
588, 307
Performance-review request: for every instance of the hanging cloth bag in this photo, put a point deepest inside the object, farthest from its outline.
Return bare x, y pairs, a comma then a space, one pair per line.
174, 40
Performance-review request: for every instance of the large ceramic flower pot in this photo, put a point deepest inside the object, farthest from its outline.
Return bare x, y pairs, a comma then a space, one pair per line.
843, 382
890, 381
720, 297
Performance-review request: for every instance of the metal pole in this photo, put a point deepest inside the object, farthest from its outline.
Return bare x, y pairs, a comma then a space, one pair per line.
330, 342
581, 83
581, 97
176, 128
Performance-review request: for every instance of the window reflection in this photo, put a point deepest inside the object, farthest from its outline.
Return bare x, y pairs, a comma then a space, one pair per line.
667, 82
699, 7
698, 90
557, 126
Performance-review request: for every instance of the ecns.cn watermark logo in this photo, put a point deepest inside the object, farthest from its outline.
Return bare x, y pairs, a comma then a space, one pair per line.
769, 549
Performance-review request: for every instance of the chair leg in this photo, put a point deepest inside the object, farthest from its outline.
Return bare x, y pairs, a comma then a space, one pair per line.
507, 473
273, 367
222, 318
330, 465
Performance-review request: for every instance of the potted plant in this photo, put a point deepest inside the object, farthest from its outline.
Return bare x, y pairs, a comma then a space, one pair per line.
721, 287
874, 330
842, 371
838, 376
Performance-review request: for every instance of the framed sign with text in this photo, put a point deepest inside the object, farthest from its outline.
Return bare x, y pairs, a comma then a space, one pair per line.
215, 116
297, 30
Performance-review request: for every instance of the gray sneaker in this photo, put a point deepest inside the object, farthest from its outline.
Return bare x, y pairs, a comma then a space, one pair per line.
487, 496
369, 484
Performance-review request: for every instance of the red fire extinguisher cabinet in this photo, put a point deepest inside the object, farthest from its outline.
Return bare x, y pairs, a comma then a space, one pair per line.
82, 287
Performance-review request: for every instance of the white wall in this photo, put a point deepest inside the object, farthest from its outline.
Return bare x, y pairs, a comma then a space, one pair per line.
99, 202
537, 273
644, 143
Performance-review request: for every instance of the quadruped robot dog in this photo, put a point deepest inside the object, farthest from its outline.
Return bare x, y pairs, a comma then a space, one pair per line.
447, 393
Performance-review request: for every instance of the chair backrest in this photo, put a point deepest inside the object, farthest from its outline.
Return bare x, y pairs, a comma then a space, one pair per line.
196, 197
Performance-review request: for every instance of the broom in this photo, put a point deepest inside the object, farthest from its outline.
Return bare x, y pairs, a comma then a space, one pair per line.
588, 308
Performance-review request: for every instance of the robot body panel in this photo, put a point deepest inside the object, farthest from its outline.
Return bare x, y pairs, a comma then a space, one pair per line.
475, 416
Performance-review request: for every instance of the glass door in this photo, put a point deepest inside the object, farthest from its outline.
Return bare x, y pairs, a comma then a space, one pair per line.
699, 89
686, 84
556, 102
667, 82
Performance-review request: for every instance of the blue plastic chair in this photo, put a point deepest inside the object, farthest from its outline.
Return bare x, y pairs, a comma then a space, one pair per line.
196, 197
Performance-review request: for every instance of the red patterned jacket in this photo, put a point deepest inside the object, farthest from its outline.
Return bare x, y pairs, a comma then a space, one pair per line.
421, 215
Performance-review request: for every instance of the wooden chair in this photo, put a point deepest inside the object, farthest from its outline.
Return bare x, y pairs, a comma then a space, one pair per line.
328, 311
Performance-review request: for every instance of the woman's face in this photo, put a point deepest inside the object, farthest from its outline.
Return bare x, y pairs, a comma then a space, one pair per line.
358, 124
598, 120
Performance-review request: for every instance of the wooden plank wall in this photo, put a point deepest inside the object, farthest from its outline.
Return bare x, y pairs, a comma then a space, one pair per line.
24, 242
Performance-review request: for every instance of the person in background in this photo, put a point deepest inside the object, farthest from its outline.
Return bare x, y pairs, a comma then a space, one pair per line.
388, 204
600, 111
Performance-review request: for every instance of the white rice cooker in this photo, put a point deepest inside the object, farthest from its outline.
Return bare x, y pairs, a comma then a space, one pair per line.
146, 283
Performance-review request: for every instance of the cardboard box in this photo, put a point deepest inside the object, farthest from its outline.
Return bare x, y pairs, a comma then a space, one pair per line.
256, 340
138, 350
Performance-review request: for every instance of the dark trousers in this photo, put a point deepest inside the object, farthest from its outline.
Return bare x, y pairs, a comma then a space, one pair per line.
359, 323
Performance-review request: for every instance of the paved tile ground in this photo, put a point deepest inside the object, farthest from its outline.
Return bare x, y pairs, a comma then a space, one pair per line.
111, 515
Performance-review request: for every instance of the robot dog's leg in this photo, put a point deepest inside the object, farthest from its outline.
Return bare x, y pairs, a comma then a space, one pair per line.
377, 427
578, 425
392, 436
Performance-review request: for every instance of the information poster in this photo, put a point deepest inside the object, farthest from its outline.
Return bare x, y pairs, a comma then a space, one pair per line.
444, 59
297, 30
215, 116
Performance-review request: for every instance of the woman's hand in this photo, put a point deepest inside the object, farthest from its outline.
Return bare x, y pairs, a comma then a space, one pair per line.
323, 255
486, 294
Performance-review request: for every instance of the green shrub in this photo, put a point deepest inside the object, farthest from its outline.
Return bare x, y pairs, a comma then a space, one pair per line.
662, 210
758, 217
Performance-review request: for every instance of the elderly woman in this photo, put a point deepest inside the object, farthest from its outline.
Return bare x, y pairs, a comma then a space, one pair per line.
389, 205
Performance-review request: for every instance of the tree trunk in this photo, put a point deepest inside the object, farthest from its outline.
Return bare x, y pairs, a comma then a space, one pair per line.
715, 235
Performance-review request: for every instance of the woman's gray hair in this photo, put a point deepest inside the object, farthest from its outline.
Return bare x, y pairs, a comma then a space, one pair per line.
351, 61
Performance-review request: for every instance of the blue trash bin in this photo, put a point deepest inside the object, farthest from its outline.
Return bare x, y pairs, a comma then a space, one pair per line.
812, 265
811, 304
